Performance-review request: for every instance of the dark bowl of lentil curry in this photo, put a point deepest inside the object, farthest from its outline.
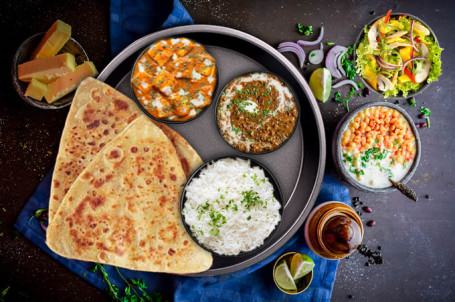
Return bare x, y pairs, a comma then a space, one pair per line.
257, 113
174, 80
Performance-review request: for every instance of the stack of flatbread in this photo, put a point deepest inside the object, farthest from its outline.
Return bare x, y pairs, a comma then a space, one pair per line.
116, 187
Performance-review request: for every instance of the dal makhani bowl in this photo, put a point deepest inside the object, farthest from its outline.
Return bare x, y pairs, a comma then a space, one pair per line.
257, 113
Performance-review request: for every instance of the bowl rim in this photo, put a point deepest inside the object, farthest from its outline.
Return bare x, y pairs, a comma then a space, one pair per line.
16, 82
277, 193
296, 100
336, 147
288, 254
168, 121
360, 37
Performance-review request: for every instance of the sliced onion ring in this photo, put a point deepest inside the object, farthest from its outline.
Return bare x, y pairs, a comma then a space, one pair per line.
412, 36
387, 66
330, 60
294, 48
311, 43
317, 55
346, 82
338, 57
413, 59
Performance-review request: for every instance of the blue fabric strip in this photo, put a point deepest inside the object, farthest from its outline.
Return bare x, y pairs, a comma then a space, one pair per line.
129, 21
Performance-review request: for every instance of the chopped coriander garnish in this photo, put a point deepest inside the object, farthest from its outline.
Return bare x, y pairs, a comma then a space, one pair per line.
330, 43
348, 158
348, 65
249, 218
251, 198
412, 102
357, 172
304, 30
425, 111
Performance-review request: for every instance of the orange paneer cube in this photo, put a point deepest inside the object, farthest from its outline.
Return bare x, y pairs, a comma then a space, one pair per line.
184, 67
183, 46
160, 53
205, 67
164, 82
160, 107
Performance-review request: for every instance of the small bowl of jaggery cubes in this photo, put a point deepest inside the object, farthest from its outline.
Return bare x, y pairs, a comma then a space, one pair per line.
48, 67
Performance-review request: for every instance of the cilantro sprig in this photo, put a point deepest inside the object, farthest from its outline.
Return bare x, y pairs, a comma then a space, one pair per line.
338, 98
135, 289
348, 65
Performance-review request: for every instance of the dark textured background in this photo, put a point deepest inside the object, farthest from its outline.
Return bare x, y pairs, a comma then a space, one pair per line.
417, 239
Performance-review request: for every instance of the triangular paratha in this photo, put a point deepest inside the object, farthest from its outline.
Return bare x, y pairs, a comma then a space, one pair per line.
123, 209
98, 113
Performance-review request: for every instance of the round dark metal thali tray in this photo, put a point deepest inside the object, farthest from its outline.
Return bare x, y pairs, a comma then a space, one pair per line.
298, 166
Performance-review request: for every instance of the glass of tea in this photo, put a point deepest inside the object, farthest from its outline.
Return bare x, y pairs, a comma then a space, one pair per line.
333, 230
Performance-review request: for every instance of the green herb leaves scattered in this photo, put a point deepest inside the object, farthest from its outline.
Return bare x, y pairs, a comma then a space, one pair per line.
425, 111
348, 65
251, 198
135, 289
218, 220
3, 294
338, 98
305, 30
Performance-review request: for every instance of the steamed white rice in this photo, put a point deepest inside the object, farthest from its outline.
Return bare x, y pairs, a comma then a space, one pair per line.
217, 211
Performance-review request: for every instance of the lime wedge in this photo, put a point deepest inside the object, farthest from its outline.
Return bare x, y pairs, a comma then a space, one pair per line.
321, 84
301, 265
283, 277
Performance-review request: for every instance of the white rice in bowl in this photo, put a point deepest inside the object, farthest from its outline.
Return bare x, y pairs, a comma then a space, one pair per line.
230, 207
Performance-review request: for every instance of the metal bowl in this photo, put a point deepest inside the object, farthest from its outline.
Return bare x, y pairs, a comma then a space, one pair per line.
165, 120
337, 154
360, 37
276, 192
296, 100
23, 54
308, 278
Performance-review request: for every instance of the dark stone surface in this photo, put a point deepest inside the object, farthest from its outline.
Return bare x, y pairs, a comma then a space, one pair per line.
416, 239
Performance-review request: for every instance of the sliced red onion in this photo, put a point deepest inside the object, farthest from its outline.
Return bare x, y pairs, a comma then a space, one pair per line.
331, 60
294, 48
413, 59
387, 66
338, 57
316, 56
412, 36
311, 43
346, 82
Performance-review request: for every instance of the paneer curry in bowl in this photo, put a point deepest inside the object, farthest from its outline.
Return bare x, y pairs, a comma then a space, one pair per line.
174, 80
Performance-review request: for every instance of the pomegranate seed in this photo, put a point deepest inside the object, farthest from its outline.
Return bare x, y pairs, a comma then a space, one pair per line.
371, 223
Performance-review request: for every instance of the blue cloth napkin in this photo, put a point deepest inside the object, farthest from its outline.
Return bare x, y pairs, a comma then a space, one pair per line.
251, 284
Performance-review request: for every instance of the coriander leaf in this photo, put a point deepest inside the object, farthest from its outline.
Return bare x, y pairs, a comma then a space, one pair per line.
425, 111
304, 30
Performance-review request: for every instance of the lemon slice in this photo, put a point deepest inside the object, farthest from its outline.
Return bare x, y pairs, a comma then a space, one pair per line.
301, 265
321, 84
283, 277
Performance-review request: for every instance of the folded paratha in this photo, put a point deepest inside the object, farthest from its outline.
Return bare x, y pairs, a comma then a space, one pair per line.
98, 113
123, 209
